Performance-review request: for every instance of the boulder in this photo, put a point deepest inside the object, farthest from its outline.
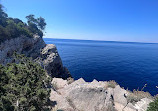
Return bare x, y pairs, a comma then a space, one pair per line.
120, 95
84, 96
93, 98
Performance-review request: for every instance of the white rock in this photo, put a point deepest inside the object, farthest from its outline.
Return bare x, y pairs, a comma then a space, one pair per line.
59, 82
119, 95
143, 104
94, 96
60, 101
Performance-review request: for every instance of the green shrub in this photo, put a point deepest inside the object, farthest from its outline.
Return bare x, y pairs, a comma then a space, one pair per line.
23, 86
153, 106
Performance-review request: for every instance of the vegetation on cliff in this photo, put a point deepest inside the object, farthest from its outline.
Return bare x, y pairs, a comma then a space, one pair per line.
23, 86
14, 27
153, 106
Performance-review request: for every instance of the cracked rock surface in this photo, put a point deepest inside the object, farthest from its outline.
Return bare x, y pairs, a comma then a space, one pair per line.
92, 96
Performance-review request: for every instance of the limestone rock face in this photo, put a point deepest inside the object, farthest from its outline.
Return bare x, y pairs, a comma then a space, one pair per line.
45, 54
92, 96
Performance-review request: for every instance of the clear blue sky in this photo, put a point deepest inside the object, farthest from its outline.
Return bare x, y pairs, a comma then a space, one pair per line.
112, 20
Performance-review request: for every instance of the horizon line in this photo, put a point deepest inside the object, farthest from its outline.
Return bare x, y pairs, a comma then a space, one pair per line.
106, 40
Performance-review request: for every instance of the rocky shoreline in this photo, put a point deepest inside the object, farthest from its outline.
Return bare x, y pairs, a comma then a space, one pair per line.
69, 95
94, 96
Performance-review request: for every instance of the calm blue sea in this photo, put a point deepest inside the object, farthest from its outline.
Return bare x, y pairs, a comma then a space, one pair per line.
130, 64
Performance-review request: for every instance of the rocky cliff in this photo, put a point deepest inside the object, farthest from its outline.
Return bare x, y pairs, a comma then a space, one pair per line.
45, 54
79, 95
96, 96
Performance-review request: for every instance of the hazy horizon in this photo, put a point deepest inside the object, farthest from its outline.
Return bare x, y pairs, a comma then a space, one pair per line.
100, 40
106, 20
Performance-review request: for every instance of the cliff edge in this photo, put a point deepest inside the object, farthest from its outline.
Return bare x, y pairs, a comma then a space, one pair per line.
95, 96
45, 54
69, 95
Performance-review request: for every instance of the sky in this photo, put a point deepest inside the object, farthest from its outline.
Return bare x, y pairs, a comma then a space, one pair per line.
109, 20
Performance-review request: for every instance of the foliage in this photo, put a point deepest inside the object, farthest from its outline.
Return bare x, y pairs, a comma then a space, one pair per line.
39, 22
23, 86
153, 106
14, 27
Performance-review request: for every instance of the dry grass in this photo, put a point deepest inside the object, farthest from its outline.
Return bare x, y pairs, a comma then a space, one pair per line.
137, 95
111, 84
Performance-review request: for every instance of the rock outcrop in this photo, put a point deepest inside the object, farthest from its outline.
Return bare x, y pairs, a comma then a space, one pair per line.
93, 96
45, 54
67, 95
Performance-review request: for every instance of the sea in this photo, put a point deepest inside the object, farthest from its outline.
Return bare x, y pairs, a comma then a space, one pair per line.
130, 64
